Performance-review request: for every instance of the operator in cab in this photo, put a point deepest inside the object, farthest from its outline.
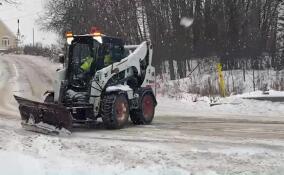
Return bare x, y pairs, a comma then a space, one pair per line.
88, 62
107, 57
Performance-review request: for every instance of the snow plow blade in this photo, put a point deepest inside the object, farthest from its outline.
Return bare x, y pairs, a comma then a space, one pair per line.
47, 118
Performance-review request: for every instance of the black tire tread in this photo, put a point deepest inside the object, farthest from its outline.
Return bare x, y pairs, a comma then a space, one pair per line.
136, 115
107, 105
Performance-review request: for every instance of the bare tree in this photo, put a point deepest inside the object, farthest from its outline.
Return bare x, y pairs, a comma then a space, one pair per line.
238, 32
8, 1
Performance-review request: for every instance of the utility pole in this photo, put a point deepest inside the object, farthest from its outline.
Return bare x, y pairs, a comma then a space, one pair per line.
18, 34
33, 37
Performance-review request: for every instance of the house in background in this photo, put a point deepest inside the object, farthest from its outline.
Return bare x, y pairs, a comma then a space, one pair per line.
8, 40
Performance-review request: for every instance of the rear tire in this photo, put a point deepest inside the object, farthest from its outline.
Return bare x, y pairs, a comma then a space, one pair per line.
144, 115
115, 111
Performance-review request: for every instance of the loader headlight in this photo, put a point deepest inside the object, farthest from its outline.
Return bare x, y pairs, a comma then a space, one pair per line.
99, 39
69, 40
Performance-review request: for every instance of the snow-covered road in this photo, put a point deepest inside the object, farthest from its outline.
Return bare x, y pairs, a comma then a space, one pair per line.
178, 141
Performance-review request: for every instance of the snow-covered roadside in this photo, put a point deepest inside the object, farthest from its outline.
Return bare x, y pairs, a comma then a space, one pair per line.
3, 75
270, 93
230, 107
7, 87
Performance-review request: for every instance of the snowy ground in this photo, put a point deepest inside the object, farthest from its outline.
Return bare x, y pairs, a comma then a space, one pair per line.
238, 137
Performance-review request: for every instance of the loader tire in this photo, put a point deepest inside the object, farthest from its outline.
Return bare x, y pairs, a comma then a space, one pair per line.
115, 111
144, 115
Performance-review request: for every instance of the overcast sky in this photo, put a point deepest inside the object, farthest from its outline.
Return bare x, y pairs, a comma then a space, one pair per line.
27, 11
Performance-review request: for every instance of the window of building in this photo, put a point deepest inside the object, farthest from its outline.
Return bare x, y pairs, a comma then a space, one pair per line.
5, 42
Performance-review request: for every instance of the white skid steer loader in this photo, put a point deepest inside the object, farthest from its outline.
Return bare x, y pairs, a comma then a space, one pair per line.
92, 86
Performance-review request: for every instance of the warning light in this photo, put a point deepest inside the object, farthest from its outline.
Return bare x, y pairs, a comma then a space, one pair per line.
69, 34
95, 31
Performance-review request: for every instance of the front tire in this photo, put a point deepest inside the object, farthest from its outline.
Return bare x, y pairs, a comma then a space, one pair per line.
115, 111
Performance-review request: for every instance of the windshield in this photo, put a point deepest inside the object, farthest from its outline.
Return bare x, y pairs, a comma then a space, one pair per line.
80, 52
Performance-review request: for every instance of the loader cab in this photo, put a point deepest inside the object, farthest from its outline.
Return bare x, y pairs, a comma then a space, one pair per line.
84, 47
81, 49
87, 46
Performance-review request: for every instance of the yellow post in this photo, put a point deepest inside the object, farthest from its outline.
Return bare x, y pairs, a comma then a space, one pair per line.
221, 80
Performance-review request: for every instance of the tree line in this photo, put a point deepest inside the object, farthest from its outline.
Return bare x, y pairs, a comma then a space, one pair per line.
240, 33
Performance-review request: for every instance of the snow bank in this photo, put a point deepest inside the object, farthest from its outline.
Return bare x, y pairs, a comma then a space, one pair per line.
231, 107
3, 74
205, 80
271, 93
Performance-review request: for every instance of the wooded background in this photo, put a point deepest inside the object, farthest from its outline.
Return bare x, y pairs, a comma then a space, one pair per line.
241, 34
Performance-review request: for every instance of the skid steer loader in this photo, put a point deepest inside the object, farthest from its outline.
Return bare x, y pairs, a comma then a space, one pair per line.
111, 91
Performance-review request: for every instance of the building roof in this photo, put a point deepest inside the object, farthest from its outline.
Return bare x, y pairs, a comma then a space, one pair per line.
5, 31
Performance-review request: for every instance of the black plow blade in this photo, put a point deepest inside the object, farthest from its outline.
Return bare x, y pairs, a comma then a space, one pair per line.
47, 118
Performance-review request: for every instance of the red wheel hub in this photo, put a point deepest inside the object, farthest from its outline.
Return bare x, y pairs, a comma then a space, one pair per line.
148, 106
121, 110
